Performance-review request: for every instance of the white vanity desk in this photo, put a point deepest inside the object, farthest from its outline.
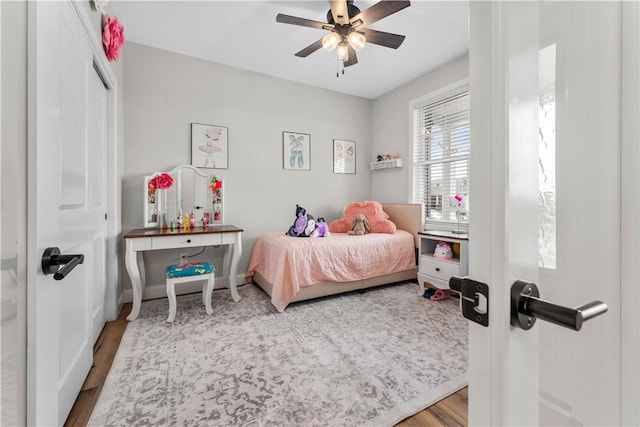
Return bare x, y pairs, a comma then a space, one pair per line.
192, 189
149, 239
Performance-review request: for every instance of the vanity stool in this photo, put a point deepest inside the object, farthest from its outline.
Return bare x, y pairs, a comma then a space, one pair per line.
190, 273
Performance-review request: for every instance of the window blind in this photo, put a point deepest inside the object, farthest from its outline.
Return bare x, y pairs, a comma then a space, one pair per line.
441, 142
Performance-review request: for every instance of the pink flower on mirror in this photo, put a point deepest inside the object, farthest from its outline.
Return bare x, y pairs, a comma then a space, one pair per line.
112, 37
162, 181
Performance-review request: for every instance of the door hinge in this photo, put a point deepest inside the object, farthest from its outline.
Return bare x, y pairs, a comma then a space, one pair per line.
474, 298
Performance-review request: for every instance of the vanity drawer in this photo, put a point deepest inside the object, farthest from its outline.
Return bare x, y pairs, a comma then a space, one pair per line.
185, 241
438, 268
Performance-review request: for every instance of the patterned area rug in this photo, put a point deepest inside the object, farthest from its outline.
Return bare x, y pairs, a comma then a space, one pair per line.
358, 359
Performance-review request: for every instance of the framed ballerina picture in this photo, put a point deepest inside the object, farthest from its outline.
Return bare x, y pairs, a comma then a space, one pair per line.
344, 156
209, 146
296, 148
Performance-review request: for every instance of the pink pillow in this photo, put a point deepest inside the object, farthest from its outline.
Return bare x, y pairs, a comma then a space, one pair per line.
377, 218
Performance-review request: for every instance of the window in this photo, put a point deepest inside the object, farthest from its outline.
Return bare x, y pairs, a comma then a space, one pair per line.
547, 159
441, 157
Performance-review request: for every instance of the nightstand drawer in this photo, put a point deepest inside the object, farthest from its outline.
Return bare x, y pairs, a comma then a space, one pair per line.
438, 268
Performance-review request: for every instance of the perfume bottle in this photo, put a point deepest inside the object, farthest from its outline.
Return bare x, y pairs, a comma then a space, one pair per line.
165, 220
192, 219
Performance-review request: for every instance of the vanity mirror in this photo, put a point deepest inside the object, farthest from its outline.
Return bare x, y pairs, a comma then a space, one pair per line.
171, 197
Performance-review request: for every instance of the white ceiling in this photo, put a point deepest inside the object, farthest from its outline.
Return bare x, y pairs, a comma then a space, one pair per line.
245, 34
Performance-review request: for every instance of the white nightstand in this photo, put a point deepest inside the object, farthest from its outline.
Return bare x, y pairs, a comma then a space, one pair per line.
437, 271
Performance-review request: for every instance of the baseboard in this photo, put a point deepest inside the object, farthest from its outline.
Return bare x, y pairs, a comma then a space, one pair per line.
160, 291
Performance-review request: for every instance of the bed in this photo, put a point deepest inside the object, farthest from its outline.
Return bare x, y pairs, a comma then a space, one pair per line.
291, 269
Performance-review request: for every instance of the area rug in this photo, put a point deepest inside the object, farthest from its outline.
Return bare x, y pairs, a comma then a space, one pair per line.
359, 359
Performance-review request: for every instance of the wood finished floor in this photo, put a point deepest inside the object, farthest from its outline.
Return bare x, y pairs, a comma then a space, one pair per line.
449, 412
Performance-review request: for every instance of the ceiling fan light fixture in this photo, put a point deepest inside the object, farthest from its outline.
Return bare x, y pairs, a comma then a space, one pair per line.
330, 41
343, 52
346, 25
356, 40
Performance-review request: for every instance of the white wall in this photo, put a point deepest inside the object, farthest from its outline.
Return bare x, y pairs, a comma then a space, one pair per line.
165, 92
391, 123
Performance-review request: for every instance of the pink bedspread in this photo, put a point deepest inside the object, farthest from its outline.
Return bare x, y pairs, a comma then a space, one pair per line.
291, 263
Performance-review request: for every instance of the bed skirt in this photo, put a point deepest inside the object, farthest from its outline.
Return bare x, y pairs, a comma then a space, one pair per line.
331, 288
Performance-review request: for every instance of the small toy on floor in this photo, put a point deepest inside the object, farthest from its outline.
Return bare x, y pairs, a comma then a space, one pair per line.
428, 293
440, 295
435, 294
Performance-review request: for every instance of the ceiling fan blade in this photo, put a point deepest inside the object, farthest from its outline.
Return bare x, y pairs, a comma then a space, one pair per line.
339, 11
378, 11
294, 20
353, 58
381, 38
310, 49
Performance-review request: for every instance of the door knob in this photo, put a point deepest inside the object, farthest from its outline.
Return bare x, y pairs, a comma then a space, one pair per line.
526, 307
52, 260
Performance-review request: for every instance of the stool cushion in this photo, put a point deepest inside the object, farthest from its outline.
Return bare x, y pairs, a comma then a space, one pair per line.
191, 269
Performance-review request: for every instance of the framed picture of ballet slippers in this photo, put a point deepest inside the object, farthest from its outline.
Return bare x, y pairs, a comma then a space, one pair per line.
209, 146
296, 151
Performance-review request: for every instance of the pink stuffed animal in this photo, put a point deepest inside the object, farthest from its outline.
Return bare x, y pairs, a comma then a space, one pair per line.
378, 220
443, 251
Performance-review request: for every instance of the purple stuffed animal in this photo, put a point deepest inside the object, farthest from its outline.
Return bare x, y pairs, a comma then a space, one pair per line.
300, 224
322, 229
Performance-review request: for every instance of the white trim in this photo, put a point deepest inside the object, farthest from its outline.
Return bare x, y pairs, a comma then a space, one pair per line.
32, 249
441, 93
630, 216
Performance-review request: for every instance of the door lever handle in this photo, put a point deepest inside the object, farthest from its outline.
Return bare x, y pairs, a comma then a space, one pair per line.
526, 307
52, 260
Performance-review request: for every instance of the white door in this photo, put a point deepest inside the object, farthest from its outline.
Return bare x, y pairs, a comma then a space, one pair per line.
546, 114
65, 189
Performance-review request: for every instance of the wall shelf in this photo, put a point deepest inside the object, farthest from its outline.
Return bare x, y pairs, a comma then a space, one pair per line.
386, 164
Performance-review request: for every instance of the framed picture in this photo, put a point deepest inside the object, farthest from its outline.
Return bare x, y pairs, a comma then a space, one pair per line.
296, 150
209, 146
344, 156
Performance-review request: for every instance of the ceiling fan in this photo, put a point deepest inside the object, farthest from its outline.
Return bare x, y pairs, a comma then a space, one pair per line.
346, 24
